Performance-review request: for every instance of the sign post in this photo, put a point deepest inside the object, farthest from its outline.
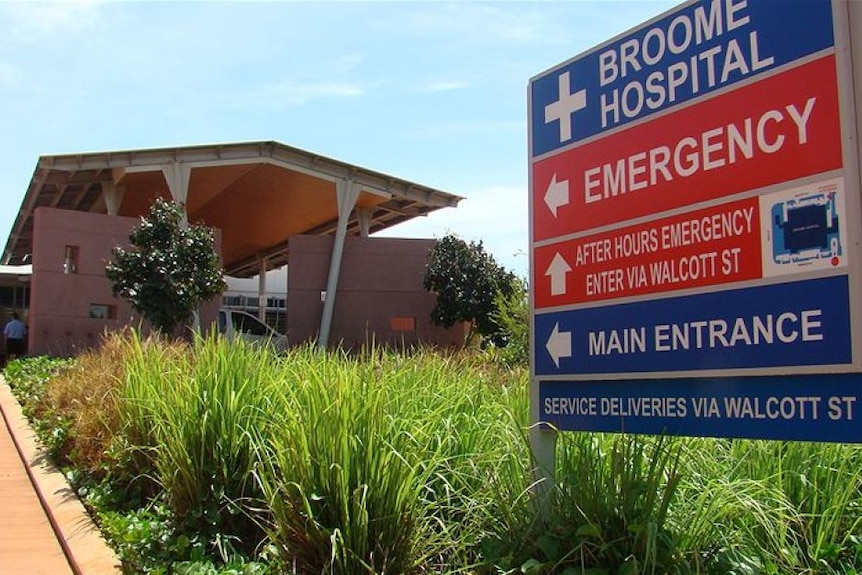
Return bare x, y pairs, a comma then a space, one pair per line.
695, 228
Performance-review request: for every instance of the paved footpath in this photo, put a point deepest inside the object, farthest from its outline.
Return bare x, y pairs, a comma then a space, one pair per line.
44, 529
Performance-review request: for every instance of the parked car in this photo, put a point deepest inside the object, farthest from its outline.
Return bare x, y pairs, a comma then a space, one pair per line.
235, 324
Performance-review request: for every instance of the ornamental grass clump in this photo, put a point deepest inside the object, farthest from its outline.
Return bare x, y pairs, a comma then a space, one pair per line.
609, 512
85, 394
465, 433
198, 416
344, 498
824, 484
770, 506
380, 464
618, 494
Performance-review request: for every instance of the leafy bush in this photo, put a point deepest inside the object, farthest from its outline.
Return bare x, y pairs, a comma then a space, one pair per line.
146, 540
466, 280
29, 378
172, 269
512, 314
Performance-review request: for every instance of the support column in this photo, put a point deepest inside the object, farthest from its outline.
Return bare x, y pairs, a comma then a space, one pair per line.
543, 444
261, 290
347, 193
364, 216
177, 175
543, 447
113, 197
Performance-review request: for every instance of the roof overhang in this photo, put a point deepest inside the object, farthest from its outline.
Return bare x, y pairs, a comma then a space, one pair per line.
259, 194
16, 270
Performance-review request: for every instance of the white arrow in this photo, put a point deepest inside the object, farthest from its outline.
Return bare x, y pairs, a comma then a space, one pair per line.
557, 194
559, 344
557, 270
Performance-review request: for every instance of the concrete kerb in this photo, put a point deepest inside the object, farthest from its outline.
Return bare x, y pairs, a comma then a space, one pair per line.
82, 543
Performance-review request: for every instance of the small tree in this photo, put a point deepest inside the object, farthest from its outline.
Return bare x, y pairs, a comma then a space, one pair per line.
171, 271
467, 280
513, 315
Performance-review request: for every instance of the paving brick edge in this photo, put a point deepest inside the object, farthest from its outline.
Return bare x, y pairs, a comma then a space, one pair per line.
86, 550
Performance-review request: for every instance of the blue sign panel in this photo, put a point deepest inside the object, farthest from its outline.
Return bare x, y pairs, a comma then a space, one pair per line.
802, 408
693, 51
792, 324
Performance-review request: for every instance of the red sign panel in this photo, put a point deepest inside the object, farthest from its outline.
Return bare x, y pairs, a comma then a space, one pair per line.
778, 129
713, 246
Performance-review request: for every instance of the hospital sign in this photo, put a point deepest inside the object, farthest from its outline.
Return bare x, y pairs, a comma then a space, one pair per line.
698, 49
690, 193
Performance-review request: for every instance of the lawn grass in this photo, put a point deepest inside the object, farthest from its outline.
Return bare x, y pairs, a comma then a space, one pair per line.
209, 457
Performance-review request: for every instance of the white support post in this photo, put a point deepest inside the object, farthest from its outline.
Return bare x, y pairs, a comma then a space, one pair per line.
543, 447
543, 444
261, 290
113, 195
364, 216
347, 193
177, 175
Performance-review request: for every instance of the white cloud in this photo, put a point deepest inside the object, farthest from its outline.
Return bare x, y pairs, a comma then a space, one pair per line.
288, 93
443, 86
484, 22
348, 62
31, 19
463, 128
305, 86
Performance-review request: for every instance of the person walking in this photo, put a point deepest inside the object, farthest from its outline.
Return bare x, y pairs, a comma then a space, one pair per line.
15, 333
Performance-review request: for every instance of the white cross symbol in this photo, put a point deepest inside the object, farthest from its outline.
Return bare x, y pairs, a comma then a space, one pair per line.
565, 106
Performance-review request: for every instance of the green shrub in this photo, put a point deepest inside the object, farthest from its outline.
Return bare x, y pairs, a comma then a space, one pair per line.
512, 313
29, 378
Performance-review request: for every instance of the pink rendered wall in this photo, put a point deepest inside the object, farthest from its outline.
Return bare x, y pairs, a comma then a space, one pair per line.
59, 317
380, 279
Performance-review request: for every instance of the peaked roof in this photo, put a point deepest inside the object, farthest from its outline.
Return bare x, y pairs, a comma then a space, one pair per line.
258, 193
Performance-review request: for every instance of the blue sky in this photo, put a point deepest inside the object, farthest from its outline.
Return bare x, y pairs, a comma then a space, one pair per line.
432, 92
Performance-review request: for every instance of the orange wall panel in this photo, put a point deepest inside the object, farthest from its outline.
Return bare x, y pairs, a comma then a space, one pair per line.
380, 281
59, 317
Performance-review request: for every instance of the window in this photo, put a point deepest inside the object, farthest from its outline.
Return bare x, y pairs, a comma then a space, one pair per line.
15, 296
250, 325
70, 260
233, 300
101, 311
276, 302
7, 296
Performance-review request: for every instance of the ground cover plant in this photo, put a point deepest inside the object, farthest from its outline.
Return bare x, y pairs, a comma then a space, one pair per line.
210, 457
